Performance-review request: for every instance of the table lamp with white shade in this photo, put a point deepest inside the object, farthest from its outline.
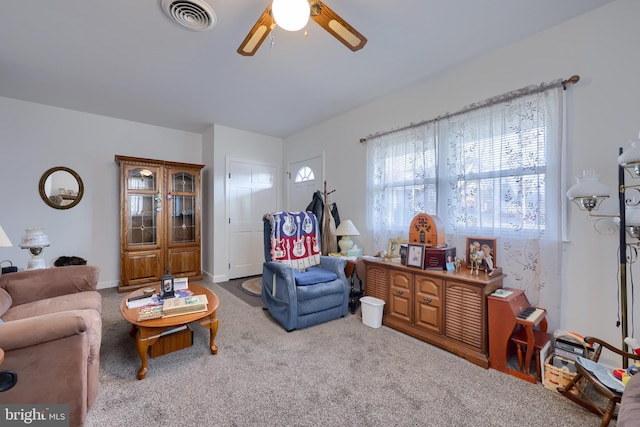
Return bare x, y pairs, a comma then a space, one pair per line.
346, 229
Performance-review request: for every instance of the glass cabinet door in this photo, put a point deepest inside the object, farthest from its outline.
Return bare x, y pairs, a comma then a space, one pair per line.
183, 224
144, 201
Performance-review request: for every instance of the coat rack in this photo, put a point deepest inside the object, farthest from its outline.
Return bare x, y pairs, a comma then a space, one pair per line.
326, 221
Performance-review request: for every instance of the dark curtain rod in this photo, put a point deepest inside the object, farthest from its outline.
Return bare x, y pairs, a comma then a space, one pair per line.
491, 101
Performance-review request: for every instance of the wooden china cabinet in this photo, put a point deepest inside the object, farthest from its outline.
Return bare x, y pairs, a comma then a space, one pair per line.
160, 208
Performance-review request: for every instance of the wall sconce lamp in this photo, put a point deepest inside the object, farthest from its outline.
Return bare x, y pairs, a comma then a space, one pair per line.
589, 193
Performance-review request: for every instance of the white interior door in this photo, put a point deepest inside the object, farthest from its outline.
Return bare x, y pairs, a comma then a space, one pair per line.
305, 178
252, 192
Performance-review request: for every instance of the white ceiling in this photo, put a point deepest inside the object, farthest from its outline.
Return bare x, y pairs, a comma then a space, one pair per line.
127, 59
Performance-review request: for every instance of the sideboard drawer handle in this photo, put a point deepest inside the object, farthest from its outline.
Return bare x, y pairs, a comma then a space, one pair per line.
427, 300
399, 292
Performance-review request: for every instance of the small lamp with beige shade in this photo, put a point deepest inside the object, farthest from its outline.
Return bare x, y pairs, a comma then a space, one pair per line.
346, 229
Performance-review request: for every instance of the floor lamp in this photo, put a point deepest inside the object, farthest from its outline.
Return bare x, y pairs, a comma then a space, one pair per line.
589, 193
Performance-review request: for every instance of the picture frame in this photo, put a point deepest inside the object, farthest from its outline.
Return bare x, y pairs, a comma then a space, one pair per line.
393, 247
166, 287
486, 245
415, 255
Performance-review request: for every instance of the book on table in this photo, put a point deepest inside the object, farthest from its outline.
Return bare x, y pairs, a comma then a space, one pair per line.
150, 312
186, 305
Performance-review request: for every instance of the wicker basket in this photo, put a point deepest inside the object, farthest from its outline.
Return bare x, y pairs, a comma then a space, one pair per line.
557, 377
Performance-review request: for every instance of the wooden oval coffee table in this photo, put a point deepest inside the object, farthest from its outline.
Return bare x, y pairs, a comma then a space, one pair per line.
148, 331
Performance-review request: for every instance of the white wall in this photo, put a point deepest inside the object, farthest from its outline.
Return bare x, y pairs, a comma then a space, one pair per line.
604, 112
34, 138
222, 143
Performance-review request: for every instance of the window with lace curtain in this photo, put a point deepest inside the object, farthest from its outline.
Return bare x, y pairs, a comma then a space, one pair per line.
495, 168
491, 170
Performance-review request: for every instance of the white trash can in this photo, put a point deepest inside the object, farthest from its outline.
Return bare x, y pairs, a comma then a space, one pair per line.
372, 311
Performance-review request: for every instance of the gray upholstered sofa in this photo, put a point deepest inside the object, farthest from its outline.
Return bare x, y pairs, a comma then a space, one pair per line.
51, 332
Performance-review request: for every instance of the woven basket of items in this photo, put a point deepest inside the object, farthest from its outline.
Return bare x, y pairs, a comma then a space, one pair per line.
559, 366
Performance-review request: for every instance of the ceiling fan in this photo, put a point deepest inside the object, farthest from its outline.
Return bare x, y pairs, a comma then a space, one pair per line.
318, 11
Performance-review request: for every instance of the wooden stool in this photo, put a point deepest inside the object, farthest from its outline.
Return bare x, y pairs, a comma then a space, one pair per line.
540, 339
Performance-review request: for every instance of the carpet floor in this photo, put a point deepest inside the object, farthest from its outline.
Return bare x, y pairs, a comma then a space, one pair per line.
235, 287
340, 373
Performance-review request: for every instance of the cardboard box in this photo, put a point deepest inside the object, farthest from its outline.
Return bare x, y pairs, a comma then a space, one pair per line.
171, 340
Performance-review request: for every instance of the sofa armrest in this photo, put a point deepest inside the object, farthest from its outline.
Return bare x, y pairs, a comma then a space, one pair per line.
284, 278
36, 330
34, 285
279, 268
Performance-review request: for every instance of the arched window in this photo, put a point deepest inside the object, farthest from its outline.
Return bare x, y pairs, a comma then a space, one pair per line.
304, 174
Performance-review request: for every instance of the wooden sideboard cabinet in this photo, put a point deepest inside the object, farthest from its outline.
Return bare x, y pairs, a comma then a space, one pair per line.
443, 308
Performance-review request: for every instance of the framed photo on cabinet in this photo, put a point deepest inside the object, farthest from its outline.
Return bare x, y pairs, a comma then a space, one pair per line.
487, 247
415, 255
393, 247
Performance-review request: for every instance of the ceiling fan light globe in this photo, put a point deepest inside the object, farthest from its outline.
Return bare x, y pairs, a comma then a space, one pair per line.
291, 15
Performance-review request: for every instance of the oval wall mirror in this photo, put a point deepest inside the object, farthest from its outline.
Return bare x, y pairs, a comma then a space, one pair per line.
61, 188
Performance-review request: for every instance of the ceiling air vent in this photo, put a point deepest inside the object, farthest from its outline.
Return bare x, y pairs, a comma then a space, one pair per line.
196, 15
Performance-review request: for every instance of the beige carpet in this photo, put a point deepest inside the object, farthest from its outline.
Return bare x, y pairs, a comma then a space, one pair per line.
339, 373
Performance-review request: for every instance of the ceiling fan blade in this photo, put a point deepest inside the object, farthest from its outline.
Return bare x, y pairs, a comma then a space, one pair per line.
338, 27
258, 33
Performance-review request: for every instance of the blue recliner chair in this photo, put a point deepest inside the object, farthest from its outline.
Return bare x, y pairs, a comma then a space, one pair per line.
300, 287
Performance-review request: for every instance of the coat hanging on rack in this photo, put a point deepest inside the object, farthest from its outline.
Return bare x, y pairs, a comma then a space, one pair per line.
328, 218
326, 228
317, 206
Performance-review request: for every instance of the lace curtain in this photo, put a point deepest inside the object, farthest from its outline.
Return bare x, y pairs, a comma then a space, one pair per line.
492, 171
401, 181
